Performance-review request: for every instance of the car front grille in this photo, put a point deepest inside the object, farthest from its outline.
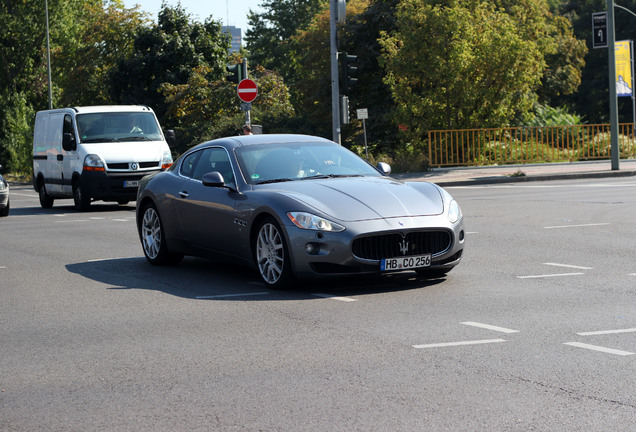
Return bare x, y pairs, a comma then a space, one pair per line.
402, 244
126, 165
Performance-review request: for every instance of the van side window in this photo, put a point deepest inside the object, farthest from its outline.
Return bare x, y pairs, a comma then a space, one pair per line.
68, 125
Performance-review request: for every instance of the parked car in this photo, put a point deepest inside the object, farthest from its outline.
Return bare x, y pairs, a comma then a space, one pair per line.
4, 196
296, 206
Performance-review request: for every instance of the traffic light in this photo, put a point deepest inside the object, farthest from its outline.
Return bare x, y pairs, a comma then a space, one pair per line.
349, 71
236, 73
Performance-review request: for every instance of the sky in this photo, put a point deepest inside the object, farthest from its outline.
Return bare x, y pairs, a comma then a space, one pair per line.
230, 12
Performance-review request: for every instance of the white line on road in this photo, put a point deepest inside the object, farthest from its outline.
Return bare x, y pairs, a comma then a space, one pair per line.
333, 297
568, 266
453, 344
232, 295
606, 332
109, 259
599, 348
490, 327
550, 275
577, 226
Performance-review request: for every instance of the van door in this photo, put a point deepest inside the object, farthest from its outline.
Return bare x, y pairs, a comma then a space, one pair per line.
70, 157
53, 169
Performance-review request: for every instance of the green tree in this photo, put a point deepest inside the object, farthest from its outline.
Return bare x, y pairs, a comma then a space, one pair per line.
269, 38
168, 53
466, 63
107, 36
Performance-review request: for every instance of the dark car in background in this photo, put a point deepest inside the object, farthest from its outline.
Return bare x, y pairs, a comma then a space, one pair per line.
296, 206
4, 196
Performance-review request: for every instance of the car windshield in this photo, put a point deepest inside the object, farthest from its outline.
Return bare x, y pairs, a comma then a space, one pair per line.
116, 127
270, 163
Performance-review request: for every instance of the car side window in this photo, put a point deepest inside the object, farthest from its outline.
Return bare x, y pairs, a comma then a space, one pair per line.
214, 159
189, 164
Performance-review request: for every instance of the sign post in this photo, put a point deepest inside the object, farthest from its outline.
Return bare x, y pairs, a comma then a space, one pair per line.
247, 92
363, 114
599, 30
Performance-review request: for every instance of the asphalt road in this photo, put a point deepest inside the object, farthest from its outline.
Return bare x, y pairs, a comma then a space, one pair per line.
535, 330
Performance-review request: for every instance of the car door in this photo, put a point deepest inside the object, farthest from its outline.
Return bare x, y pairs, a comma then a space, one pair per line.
69, 158
206, 214
53, 166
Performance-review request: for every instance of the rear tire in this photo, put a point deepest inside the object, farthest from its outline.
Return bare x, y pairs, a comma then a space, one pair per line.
45, 199
153, 239
272, 256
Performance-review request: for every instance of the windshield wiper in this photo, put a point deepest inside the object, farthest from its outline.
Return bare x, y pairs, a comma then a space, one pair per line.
278, 180
135, 138
94, 140
329, 176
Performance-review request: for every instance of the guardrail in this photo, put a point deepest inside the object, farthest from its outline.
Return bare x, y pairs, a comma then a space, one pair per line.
473, 147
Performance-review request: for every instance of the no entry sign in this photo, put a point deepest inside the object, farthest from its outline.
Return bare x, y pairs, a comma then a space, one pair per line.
247, 90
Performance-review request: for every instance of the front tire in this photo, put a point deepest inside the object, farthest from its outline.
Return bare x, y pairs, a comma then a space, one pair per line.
271, 255
5, 211
153, 239
81, 200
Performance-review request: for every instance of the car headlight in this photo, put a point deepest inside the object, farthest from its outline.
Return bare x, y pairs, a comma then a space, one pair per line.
454, 212
309, 221
3, 184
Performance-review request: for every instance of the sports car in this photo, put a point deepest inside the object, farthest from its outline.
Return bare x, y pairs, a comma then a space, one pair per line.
296, 206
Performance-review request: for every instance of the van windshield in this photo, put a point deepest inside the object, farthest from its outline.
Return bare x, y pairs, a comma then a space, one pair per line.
119, 126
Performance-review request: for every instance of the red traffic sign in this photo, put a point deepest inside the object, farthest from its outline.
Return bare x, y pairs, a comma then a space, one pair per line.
247, 90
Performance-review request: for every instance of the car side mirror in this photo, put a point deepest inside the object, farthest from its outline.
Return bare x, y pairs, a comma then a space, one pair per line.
384, 168
171, 138
213, 179
68, 142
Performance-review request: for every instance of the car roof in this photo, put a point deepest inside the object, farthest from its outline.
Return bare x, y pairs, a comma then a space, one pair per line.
248, 140
102, 109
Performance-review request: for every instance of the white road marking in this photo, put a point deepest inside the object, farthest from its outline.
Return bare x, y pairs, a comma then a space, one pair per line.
333, 297
453, 344
599, 348
109, 259
550, 275
232, 295
605, 332
577, 226
568, 266
490, 327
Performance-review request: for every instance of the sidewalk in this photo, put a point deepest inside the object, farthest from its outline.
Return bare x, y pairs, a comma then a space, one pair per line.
461, 176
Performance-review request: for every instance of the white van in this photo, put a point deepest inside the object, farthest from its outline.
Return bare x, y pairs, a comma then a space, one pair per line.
96, 153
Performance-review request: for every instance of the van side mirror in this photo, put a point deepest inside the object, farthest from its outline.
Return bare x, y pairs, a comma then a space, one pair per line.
171, 138
384, 168
68, 142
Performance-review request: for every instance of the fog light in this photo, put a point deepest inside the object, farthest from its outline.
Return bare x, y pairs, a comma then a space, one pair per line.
310, 248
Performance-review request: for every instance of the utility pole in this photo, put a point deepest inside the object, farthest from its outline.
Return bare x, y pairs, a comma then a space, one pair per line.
611, 42
335, 87
48, 54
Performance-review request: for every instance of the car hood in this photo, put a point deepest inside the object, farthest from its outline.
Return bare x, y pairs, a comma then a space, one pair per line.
364, 198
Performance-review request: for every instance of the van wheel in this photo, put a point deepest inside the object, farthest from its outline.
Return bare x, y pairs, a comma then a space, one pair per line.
45, 199
82, 202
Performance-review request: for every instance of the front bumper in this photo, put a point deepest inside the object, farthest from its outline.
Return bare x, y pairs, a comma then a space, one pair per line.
109, 186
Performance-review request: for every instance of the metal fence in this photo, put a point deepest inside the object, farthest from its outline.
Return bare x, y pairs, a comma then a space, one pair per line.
521, 145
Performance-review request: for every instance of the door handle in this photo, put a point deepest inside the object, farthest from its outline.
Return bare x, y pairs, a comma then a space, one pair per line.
60, 157
184, 194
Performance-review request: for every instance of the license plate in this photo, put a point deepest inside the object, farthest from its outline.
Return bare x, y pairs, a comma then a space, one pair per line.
405, 263
131, 183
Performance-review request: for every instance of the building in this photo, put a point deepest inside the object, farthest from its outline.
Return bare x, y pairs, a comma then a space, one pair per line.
235, 33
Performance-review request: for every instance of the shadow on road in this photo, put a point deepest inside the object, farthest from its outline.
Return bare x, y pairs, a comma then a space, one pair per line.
202, 279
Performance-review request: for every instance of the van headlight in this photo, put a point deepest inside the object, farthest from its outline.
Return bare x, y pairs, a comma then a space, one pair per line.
309, 221
454, 212
166, 160
92, 162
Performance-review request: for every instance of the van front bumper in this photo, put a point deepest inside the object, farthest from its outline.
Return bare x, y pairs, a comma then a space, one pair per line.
110, 186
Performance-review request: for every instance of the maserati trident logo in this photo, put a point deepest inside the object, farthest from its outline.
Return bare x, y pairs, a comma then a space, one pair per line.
404, 246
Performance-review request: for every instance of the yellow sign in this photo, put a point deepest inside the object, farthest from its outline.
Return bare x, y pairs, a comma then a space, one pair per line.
623, 69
